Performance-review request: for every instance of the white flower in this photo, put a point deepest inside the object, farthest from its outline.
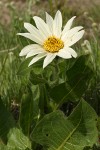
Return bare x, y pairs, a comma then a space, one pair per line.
50, 39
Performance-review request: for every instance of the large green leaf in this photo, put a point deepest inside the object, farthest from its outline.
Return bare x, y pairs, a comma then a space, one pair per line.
75, 86
43, 100
11, 138
23, 68
36, 79
29, 109
79, 75
17, 140
6, 122
58, 132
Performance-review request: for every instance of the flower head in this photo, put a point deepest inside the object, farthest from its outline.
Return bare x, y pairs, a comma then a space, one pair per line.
51, 40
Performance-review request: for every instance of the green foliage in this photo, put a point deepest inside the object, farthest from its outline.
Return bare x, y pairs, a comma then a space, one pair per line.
17, 140
75, 132
30, 110
33, 99
76, 84
9, 133
5, 117
36, 79
24, 69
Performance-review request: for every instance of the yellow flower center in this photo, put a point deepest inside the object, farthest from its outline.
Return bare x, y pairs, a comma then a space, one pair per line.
53, 44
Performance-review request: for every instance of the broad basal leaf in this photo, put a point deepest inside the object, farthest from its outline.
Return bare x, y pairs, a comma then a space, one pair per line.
75, 85
43, 100
11, 138
79, 75
17, 140
36, 79
29, 109
58, 132
6, 122
23, 68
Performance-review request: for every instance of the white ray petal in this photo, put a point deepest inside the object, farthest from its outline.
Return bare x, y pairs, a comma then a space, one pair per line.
49, 21
72, 52
57, 25
68, 25
28, 48
36, 58
35, 52
30, 27
75, 38
64, 53
34, 30
49, 58
42, 26
70, 33
32, 37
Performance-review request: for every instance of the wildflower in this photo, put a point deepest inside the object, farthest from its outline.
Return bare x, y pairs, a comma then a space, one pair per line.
51, 40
